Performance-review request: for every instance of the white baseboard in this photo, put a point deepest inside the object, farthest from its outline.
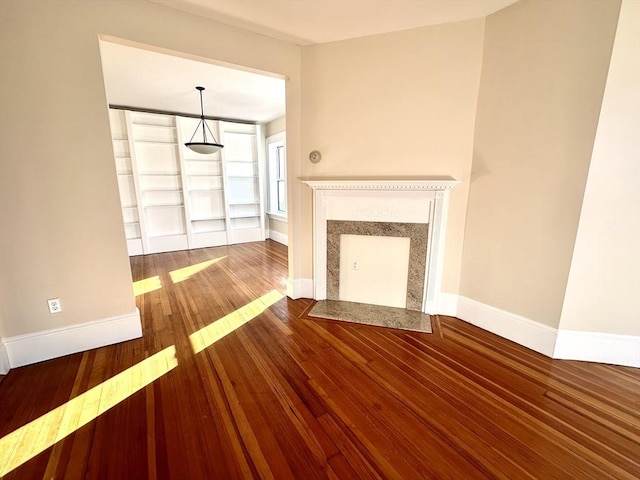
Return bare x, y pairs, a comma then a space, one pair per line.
516, 328
300, 288
47, 344
4, 359
282, 238
598, 347
447, 304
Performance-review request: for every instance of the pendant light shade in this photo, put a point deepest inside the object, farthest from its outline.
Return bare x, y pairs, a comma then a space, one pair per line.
204, 147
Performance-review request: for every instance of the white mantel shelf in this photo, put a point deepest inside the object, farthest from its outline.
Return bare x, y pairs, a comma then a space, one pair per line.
398, 185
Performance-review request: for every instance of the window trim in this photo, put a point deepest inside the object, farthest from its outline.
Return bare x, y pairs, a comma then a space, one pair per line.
272, 142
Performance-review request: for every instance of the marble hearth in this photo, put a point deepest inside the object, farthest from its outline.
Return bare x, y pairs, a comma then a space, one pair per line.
377, 315
399, 208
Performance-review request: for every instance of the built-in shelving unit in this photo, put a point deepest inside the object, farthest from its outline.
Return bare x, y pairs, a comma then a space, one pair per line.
243, 185
156, 162
126, 181
204, 187
175, 199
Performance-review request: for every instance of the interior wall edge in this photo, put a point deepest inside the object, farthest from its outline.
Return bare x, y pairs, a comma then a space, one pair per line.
447, 304
300, 288
48, 344
4, 359
540, 80
559, 344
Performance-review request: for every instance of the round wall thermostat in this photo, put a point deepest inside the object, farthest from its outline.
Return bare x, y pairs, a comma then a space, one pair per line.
315, 156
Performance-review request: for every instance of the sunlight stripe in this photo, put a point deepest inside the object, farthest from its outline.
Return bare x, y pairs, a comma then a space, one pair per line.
146, 285
35, 437
182, 274
210, 334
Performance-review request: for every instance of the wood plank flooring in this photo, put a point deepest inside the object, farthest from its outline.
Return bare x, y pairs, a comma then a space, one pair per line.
284, 396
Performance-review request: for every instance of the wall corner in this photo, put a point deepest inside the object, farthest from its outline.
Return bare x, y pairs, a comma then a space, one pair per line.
4, 359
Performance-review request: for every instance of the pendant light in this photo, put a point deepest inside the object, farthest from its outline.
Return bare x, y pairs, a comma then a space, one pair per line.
204, 147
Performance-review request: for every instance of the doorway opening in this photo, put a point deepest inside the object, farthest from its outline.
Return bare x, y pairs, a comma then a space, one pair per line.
171, 198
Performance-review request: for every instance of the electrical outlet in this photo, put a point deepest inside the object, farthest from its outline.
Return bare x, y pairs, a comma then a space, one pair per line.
54, 305
355, 265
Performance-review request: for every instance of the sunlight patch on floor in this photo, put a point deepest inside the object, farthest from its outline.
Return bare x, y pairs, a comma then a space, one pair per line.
146, 285
185, 273
210, 334
35, 437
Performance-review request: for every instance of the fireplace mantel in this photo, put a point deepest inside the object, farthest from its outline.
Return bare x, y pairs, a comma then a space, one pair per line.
386, 184
399, 200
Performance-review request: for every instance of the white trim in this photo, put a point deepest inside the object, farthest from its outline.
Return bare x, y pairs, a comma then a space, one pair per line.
300, 288
4, 359
279, 217
523, 331
598, 347
47, 344
282, 238
447, 304
270, 177
558, 344
435, 252
392, 200
391, 184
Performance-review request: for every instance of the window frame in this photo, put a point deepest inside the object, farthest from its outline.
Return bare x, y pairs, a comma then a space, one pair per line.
276, 143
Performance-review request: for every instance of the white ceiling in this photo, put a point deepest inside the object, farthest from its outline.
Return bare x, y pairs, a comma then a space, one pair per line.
146, 79
306, 22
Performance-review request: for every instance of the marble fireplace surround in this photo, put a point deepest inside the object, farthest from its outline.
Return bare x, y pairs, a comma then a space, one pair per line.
352, 206
417, 234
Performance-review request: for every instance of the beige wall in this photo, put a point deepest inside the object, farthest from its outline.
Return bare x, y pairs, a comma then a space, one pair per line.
276, 126
278, 225
62, 231
398, 104
603, 291
2, 310
543, 75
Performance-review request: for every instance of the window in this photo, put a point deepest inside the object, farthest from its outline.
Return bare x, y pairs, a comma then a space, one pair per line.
277, 168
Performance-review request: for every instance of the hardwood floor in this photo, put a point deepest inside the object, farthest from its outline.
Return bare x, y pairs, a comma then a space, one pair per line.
283, 396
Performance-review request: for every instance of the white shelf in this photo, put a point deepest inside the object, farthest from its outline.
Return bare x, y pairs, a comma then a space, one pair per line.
159, 235
160, 174
206, 219
165, 205
156, 142
153, 125
160, 189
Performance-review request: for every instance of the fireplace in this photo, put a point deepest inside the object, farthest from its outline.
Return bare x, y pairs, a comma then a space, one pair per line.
414, 209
